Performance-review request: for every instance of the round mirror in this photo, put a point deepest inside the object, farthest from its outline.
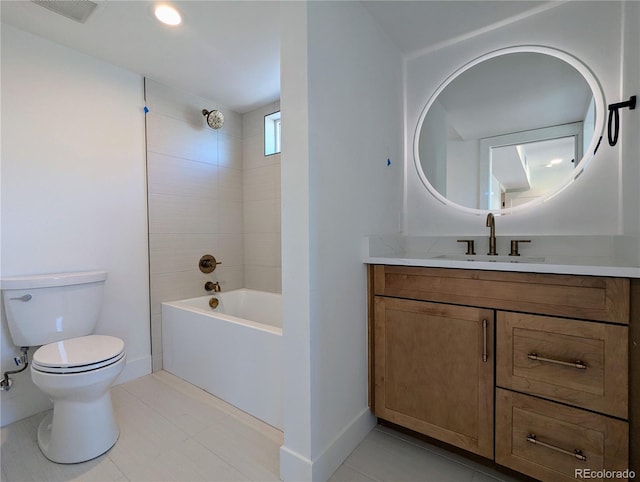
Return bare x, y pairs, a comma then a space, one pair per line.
509, 130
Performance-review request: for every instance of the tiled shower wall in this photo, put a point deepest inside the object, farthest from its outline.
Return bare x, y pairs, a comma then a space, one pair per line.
261, 183
196, 203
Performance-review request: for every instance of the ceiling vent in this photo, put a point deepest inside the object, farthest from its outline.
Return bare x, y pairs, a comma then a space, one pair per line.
78, 10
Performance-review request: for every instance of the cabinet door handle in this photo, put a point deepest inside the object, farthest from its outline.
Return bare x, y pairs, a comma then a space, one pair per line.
579, 364
485, 354
577, 453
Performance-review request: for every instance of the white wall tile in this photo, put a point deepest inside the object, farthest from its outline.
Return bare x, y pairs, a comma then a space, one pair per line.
230, 186
261, 183
229, 151
262, 249
230, 277
174, 137
261, 216
230, 217
180, 214
181, 177
261, 278
230, 249
170, 252
176, 286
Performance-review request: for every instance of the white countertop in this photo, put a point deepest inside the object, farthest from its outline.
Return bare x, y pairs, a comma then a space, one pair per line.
546, 267
558, 256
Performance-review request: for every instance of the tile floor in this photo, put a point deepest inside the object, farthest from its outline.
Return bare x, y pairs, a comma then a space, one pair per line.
173, 431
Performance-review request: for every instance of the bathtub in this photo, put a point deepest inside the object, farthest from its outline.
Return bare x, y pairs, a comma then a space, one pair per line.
233, 352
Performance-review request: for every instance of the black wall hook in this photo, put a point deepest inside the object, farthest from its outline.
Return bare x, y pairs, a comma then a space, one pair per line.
613, 128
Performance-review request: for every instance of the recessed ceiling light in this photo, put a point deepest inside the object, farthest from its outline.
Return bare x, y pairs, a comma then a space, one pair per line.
167, 14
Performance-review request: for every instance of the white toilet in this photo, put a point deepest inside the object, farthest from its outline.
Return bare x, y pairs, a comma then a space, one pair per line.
76, 369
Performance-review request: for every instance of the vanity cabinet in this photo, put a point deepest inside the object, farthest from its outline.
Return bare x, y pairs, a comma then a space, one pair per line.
558, 345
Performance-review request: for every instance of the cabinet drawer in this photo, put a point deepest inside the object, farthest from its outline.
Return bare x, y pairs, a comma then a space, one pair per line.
578, 362
553, 442
584, 297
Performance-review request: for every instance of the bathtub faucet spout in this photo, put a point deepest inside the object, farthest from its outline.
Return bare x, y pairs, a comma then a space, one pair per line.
211, 286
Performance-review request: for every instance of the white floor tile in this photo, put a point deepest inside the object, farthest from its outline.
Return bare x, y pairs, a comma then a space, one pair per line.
23, 461
171, 430
249, 451
190, 461
347, 474
387, 458
190, 416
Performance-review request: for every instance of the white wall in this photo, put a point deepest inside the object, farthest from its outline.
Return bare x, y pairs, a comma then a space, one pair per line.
261, 195
73, 190
342, 108
591, 32
195, 199
629, 139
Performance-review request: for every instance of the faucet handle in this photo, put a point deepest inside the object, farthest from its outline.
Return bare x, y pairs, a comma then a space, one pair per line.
514, 246
470, 245
208, 263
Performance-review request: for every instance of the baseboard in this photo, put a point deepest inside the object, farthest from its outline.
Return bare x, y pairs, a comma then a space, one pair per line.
135, 369
343, 444
295, 467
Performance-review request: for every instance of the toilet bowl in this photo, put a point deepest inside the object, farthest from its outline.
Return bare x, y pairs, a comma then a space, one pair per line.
58, 312
77, 374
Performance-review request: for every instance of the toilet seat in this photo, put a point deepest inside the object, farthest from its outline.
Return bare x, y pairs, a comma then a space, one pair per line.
77, 355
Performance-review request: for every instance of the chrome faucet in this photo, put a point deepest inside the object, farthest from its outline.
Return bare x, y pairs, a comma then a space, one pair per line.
491, 224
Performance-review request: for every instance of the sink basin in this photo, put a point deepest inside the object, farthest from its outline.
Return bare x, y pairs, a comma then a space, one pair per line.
492, 259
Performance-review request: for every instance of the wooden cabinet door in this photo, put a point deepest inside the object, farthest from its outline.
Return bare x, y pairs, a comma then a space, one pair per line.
433, 370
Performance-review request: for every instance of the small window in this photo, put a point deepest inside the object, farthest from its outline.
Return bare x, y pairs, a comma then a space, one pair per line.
272, 129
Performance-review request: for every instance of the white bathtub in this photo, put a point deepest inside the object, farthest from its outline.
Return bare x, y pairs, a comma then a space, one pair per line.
233, 352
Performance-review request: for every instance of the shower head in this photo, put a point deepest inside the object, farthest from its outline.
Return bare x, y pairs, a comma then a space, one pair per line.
215, 119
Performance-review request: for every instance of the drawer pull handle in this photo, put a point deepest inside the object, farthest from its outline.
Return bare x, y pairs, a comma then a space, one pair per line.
485, 354
579, 364
531, 438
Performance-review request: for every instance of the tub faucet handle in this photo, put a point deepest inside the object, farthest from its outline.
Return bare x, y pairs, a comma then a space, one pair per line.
208, 263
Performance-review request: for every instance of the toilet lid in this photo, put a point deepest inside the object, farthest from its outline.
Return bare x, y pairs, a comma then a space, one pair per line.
78, 354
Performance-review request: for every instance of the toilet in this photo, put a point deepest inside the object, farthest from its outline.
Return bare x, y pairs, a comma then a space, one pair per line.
74, 367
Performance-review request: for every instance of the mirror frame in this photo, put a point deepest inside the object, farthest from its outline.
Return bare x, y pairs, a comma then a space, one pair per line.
600, 108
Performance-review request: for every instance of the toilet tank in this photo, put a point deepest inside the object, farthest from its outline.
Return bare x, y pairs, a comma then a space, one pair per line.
45, 308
